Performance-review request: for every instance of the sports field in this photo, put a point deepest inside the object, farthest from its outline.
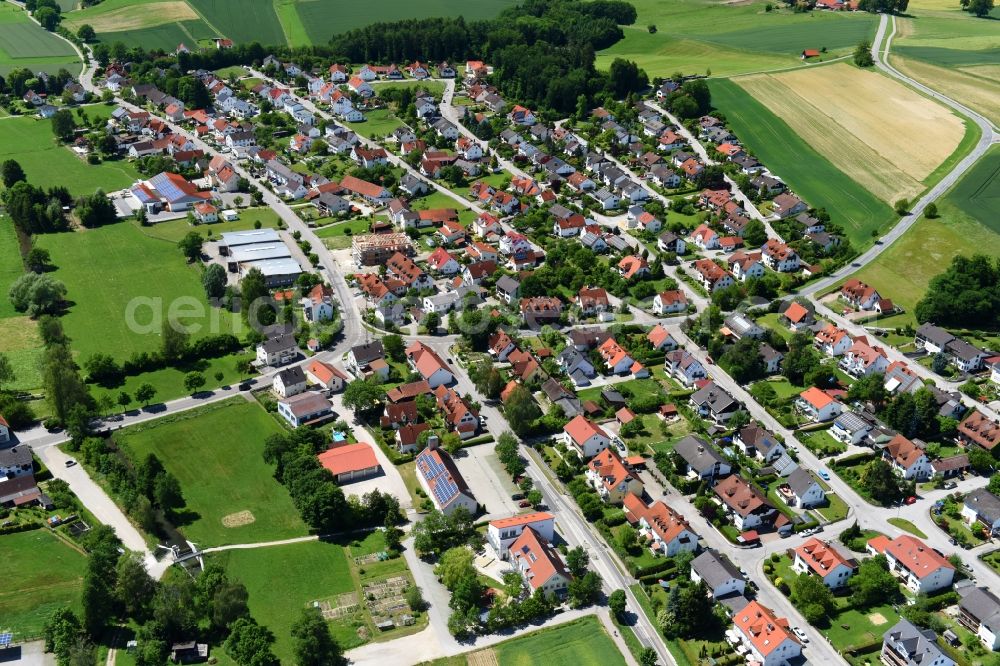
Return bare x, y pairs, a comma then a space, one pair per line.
29, 140
860, 132
693, 36
969, 223
41, 575
105, 269
23, 43
785, 153
216, 454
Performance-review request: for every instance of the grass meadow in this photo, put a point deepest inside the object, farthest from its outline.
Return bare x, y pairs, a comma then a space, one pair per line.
693, 36
105, 269
822, 185
29, 140
216, 454
23, 43
582, 642
41, 575
968, 223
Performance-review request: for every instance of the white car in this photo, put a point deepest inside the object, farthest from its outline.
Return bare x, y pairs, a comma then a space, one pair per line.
801, 634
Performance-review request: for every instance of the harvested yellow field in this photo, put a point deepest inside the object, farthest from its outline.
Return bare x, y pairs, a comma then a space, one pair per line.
145, 15
885, 136
977, 87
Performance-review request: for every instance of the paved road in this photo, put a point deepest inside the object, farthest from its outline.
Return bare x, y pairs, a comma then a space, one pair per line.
989, 136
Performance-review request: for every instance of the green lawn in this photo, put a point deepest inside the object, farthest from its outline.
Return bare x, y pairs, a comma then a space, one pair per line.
855, 209
836, 509
694, 36
41, 575
29, 140
11, 266
855, 628
435, 88
969, 223
822, 440
576, 643
216, 454
907, 526
175, 230
23, 43
108, 268
22, 345
339, 236
306, 572
380, 122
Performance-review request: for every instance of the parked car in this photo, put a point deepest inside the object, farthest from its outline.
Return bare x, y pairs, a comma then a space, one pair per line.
801, 634
517, 496
825, 475
524, 504
70, 462
911, 500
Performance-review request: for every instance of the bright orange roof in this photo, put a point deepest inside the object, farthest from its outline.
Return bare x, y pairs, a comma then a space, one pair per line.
821, 557
759, 624
919, 558
816, 397
795, 312
523, 519
580, 429
350, 458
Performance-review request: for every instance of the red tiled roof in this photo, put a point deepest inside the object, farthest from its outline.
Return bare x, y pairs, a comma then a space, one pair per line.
350, 458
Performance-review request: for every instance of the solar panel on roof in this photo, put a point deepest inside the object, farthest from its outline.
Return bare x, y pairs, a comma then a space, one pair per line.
6, 639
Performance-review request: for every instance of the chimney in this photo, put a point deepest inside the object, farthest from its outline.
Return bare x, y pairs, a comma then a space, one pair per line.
433, 442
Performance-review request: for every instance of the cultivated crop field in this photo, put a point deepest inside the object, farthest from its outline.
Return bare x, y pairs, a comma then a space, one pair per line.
777, 145
969, 223
29, 140
977, 87
860, 132
216, 454
106, 268
41, 575
24, 43
731, 38
242, 20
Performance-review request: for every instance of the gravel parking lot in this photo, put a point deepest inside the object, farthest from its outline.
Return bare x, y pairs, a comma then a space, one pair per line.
489, 490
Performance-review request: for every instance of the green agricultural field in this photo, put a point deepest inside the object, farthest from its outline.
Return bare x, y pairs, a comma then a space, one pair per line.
851, 206
107, 268
23, 43
216, 454
42, 574
165, 37
323, 18
576, 643
968, 224
241, 20
29, 140
693, 36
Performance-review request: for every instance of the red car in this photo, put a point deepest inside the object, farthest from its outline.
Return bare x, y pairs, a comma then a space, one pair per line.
524, 504
911, 500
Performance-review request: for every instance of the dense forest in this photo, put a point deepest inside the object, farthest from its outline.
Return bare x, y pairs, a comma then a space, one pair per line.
542, 51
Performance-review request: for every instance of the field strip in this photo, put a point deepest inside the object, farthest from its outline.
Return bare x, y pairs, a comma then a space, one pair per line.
137, 17
204, 18
845, 151
807, 65
979, 93
911, 131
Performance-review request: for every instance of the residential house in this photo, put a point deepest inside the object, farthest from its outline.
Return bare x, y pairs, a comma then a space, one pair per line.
368, 359
683, 366
863, 359
824, 560
439, 477
711, 275
539, 564
326, 375
755, 440
669, 302
507, 289
305, 409
592, 300
576, 365
851, 428
612, 478
540, 310
713, 401
745, 504
664, 530
769, 639
982, 506
746, 265
788, 205
802, 490
277, 350
501, 345
671, 242
721, 577
979, 612
290, 381
503, 532
660, 339
907, 645
585, 437
429, 365
907, 459
980, 430
771, 358
818, 404
922, 569
960, 353
739, 326
833, 341
701, 458
780, 256
859, 295
797, 316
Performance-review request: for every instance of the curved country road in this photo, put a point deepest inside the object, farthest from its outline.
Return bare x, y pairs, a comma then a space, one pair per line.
988, 137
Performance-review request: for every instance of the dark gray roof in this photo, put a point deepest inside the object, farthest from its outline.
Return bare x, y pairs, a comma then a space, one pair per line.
715, 398
279, 343
919, 645
800, 480
714, 568
963, 350
508, 284
758, 437
935, 334
292, 375
366, 353
697, 453
985, 504
852, 422
769, 353
981, 604
15, 456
